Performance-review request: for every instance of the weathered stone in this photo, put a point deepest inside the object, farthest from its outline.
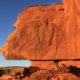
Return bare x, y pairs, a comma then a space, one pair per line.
43, 64
45, 33
38, 34
72, 27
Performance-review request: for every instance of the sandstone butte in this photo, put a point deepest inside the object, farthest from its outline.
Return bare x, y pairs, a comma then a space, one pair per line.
45, 33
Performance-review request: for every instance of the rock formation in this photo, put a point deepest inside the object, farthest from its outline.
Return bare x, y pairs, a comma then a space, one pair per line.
35, 73
39, 34
45, 33
72, 26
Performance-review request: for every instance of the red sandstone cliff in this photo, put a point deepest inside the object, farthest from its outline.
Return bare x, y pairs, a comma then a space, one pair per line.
47, 33
39, 34
72, 26
44, 33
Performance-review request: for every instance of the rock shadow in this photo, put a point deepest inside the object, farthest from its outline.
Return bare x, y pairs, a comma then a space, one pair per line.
74, 70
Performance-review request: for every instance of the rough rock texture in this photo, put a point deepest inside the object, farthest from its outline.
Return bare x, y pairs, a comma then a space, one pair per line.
38, 35
45, 33
72, 27
35, 73
43, 64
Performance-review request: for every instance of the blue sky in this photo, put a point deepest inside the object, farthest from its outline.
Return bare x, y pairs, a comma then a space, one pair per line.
9, 9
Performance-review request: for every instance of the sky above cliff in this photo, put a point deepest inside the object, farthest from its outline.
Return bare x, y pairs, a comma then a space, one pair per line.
9, 9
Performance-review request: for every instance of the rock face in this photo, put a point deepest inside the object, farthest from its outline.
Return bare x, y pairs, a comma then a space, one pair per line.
38, 34
45, 33
44, 64
72, 26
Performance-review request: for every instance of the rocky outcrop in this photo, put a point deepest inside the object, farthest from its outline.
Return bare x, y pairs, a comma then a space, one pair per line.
38, 35
72, 26
45, 33
35, 73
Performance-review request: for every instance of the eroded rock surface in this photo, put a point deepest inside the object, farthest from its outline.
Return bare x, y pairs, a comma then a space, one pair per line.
38, 33
43, 33
35, 73
72, 26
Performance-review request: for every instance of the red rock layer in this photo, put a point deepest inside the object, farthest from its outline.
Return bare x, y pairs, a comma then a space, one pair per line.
43, 64
72, 27
38, 34
44, 33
